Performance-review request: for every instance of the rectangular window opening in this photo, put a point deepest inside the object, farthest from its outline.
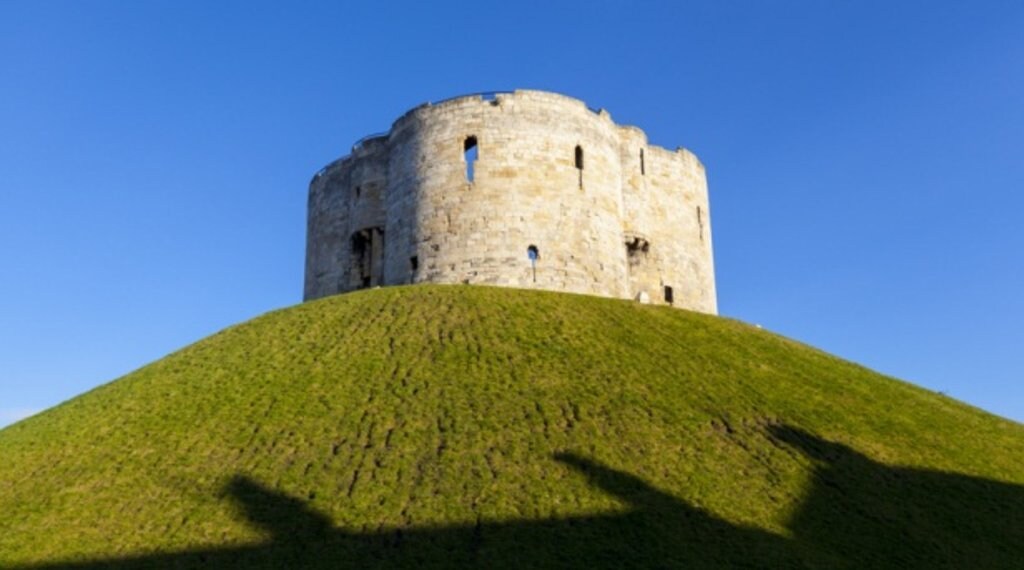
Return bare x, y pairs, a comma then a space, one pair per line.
579, 164
367, 247
469, 149
700, 224
669, 297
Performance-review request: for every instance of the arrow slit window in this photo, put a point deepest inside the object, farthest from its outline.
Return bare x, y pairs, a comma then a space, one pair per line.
469, 154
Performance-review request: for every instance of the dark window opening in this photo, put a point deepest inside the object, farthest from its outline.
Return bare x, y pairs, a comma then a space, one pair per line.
636, 250
533, 254
367, 255
700, 224
643, 170
359, 190
361, 248
668, 295
579, 163
414, 263
470, 155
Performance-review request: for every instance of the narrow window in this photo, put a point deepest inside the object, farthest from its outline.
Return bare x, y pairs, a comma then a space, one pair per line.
579, 163
533, 254
469, 154
643, 171
700, 224
359, 190
668, 295
414, 263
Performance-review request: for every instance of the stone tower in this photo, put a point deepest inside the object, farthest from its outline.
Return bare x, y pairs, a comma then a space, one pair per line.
524, 189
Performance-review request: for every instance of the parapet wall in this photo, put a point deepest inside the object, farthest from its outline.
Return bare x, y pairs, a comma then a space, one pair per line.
558, 197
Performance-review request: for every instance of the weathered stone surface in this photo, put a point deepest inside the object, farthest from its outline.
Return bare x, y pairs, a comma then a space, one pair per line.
633, 222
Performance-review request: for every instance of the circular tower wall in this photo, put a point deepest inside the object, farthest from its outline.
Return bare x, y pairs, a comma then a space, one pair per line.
344, 232
527, 189
545, 174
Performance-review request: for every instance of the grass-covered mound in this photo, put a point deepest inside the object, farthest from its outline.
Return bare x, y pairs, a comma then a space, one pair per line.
463, 426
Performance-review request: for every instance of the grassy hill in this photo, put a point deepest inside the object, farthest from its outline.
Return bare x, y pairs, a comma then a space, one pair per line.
469, 426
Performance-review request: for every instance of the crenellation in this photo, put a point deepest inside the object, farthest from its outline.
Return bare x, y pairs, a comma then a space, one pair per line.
609, 213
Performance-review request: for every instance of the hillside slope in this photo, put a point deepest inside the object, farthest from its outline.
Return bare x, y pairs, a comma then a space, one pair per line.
455, 426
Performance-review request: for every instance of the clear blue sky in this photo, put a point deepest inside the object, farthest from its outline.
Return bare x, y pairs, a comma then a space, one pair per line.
865, 160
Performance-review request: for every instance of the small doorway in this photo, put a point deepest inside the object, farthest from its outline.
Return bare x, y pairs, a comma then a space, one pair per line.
367, 257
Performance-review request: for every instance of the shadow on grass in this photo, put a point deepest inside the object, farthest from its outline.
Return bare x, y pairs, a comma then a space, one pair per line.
864, 514
858, 513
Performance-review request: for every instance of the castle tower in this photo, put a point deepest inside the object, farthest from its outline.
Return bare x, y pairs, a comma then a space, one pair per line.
525, 189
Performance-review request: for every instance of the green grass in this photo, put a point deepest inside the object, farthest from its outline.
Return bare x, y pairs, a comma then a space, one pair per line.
457, 426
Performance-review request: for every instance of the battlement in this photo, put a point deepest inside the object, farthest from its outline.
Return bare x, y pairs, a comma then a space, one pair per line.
521, 188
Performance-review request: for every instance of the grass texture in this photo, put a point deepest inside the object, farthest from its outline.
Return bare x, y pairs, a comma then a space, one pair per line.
459, 426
